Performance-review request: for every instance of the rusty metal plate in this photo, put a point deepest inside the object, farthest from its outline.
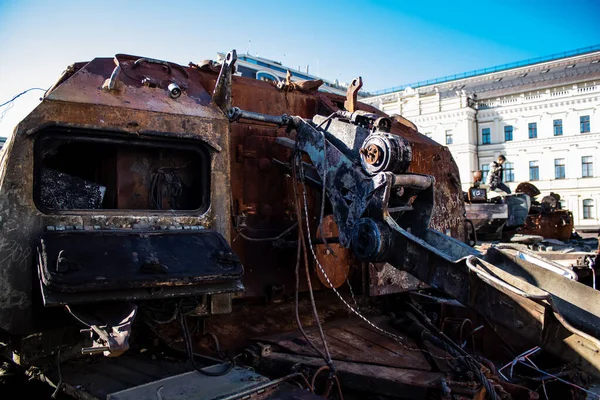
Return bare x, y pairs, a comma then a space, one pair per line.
351, 341
386, 279
85, 86
555, 225
333, 257
83, 261
372, 380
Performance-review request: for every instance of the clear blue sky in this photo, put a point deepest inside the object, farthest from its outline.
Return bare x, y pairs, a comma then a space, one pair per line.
388, 43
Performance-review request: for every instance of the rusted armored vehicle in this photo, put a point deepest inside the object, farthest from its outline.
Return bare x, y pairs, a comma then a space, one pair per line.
174, 232
546, 218
497, 217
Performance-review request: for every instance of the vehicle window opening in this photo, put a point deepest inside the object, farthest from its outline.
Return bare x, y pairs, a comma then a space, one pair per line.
86, 173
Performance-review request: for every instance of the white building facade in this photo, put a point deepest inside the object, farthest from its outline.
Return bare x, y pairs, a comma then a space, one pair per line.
543, 116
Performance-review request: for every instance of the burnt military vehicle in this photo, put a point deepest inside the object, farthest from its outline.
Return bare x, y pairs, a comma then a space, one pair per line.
182, 232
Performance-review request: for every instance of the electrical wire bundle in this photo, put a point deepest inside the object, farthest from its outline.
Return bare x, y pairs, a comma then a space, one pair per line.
10, 103
165, 184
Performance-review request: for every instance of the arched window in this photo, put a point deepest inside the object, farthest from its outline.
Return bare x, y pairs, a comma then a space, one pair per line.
588, 209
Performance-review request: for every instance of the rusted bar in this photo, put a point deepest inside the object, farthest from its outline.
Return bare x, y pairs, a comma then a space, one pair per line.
235, 113
413, 181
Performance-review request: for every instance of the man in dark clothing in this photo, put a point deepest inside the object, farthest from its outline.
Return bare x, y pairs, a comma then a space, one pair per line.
494, 177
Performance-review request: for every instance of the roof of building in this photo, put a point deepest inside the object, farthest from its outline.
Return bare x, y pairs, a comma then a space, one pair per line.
557, 68
296, 73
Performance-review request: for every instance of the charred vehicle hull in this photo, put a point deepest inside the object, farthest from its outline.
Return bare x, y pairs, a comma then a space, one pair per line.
186, 203
85, 143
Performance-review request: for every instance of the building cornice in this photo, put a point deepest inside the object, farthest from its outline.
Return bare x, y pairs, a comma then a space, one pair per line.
461, 112
541, 104
463, 147
492, 75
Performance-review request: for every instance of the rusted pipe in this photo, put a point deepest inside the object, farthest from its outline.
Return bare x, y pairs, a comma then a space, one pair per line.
413, 181
111, 83
235, 113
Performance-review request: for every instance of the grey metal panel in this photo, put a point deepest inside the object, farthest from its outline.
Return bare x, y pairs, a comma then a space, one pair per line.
193, 386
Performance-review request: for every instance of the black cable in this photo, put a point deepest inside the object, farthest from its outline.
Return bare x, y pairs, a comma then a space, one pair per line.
324, 186
190, 352
20, 94
297, 158
165, 184
60, 380
268, 239
441, 340
297, 313
297, 270
252, 239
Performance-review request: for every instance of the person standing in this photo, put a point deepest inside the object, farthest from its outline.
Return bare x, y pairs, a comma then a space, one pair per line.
494, 177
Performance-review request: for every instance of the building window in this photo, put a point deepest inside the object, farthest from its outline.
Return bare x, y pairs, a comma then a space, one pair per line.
534, 171
559, 168
584, 124
508, 172
558, 127
588, 209
485, 169
508, 133
562, 205
265, 76
532, 130
486, 136
449, 136
587, 167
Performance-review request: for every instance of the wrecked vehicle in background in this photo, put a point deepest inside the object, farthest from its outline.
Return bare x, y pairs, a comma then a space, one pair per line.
546, 218
175, 231
497, 217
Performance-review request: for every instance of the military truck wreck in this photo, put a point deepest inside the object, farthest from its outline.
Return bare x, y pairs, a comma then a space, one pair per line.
172, 232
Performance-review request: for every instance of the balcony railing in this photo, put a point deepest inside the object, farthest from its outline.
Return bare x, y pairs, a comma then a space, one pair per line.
490, 103
489, 70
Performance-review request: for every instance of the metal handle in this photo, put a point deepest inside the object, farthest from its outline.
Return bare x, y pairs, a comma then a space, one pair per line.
150, 61
139, 61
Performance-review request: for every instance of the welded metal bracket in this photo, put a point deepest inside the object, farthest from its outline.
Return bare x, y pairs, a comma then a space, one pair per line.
221, 96
352, 94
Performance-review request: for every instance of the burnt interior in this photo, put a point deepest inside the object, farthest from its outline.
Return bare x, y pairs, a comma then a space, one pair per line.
85, 171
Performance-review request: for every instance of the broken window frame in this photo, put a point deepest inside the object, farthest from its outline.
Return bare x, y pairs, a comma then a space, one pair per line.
117, 138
